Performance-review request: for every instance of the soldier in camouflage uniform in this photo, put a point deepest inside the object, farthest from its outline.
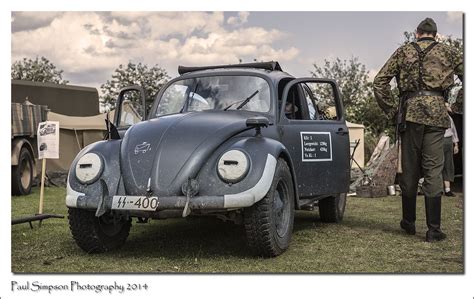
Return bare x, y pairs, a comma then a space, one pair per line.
424, 71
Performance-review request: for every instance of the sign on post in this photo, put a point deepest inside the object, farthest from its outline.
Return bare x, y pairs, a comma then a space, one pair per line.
48, 148
48, 140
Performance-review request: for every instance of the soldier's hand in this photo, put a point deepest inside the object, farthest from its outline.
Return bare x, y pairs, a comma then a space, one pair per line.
456, 149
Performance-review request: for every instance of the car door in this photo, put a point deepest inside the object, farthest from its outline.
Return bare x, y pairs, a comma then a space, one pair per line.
313, 129
130, 108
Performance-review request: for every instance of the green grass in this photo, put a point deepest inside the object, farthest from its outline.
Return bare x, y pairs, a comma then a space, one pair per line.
368, 240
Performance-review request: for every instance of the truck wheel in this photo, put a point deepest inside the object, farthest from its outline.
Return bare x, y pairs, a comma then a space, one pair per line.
332, 209
97, 234
22, 174
269, 222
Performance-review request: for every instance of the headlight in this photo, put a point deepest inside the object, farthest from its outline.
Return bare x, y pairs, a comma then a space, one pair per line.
89, 168
233, 166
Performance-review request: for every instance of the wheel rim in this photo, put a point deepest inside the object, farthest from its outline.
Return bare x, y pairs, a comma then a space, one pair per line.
281, 209
25, 174
109, 225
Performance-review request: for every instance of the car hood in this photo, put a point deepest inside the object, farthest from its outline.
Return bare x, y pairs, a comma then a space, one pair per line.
162, 153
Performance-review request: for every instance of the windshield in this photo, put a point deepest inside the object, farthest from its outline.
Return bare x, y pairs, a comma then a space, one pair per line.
217, 92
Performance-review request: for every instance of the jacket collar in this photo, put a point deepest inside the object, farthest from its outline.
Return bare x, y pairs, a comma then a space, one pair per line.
426, 38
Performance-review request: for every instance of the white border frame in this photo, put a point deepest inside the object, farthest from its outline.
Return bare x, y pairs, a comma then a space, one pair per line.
316, 160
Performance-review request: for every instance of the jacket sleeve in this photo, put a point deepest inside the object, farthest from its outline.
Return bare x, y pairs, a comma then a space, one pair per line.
382, 90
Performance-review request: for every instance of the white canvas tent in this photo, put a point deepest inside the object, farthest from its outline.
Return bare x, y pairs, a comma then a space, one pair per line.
356, 132
75, 134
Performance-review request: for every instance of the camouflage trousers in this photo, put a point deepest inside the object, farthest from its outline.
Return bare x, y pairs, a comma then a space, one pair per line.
422, 156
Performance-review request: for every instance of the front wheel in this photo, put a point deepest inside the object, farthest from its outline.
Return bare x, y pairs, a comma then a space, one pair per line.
269, 222
97, 234
332, 209
22, 174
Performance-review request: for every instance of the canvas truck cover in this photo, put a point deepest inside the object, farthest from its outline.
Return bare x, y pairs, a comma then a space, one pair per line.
64, 99
26, 117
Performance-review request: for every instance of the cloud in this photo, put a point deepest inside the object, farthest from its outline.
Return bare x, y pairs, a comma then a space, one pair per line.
88, 46
454, 16
240, 19
23, 21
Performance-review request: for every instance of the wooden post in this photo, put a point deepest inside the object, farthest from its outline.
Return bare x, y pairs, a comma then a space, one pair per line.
43, 174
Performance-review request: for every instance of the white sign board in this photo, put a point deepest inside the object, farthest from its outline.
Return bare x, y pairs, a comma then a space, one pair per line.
48, 140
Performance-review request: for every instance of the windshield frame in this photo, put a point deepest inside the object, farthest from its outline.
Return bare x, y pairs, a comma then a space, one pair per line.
271, 111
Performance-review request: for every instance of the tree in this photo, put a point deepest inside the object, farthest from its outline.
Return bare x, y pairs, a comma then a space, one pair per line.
151, 79
351, 77
38, 70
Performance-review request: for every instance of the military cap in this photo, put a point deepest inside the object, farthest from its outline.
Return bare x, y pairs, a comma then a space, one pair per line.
427, 25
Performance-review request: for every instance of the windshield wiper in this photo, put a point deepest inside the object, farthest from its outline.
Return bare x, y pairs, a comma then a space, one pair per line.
244, 102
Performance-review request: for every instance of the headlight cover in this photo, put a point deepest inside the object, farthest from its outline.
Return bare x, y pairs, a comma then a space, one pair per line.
89, 168
233, 166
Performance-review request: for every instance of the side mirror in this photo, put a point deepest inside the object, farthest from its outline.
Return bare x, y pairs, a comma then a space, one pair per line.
257, 122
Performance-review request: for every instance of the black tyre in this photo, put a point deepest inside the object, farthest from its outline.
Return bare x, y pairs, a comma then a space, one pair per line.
97, 234
332, 209
269, 222
22, 174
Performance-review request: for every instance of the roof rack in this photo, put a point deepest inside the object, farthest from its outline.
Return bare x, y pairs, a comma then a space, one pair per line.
269, 65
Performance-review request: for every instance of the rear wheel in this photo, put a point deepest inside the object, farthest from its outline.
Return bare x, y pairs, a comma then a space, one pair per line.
22, 174
97, 234
269, 222
332, 209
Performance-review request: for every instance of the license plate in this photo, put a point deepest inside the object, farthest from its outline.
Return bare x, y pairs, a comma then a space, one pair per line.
139, 203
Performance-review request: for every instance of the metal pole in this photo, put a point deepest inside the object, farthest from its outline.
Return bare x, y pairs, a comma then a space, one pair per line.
43, 174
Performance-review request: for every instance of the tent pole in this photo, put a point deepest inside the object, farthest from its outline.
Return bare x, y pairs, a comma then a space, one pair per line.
77, 139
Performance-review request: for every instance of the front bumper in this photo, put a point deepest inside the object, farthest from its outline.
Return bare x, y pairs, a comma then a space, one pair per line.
243, 199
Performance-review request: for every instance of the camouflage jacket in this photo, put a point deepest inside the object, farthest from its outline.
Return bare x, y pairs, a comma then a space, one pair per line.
439, 67
457, 106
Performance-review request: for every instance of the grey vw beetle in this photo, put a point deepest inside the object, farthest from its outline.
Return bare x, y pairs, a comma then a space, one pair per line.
247, 143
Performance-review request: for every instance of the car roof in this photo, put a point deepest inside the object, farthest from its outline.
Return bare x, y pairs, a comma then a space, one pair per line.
274, 76
269, 69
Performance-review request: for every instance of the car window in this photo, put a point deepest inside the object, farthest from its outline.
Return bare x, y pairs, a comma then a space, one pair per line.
172, 100
132, 110
312, 112
319, 101
216, 92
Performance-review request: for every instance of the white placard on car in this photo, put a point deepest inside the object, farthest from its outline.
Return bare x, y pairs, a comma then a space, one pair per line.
48, 140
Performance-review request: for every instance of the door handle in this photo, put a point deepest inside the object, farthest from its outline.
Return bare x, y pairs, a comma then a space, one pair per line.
342, 131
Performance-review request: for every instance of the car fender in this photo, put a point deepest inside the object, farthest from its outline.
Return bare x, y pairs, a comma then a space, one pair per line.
257, 150
94, 195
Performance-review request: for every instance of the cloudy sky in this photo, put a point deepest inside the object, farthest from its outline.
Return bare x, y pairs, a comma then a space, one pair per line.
88, 46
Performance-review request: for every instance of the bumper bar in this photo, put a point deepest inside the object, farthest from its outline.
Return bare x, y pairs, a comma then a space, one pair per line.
230, 201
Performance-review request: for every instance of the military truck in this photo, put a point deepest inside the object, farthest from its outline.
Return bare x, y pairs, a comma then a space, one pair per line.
30, 103
25, 119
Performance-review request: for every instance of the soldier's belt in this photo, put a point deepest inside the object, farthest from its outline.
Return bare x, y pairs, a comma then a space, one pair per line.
423, 93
